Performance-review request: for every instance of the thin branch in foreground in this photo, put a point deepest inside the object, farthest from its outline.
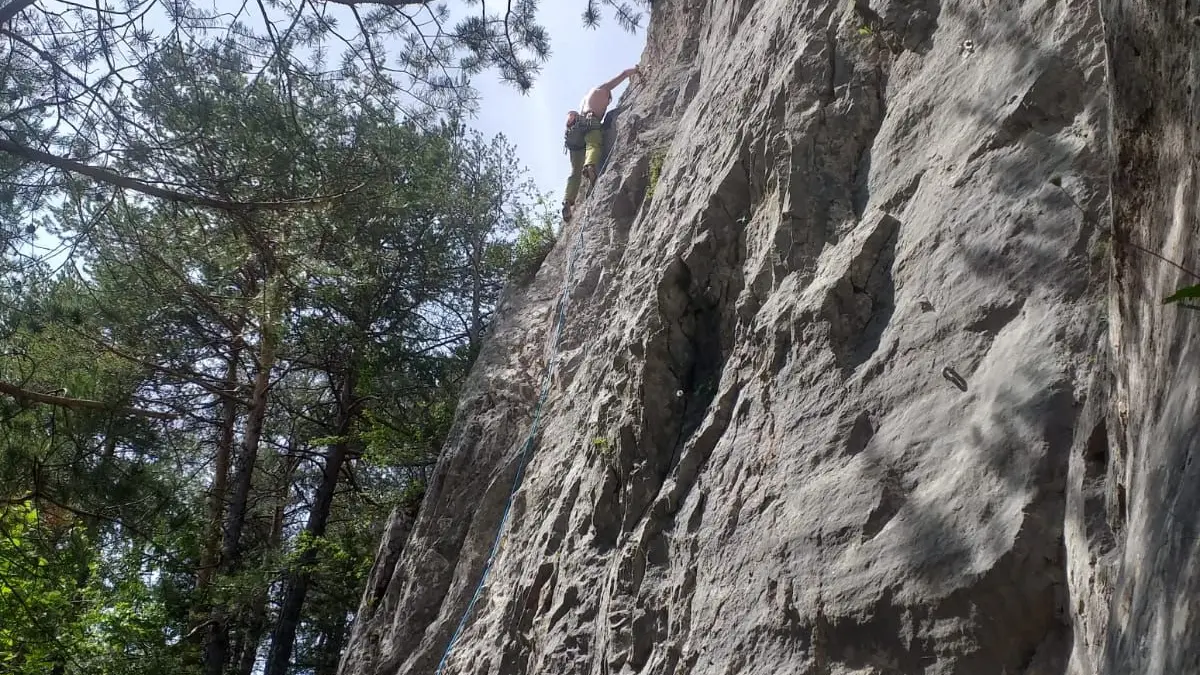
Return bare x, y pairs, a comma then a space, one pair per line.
384, 3
77, 403
112, 178
12, 9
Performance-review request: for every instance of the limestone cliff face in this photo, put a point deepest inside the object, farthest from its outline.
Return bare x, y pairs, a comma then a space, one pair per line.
876, 380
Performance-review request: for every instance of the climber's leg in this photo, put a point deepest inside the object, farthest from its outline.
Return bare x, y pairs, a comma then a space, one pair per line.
594, 142
577, 157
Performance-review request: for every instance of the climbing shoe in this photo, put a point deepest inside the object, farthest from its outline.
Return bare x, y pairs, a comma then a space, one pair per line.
566, 211
589, 172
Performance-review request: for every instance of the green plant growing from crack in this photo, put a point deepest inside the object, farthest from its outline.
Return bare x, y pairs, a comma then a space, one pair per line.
864, 22
602, 446
655, 170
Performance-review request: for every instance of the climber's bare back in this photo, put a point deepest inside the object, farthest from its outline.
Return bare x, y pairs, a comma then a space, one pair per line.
596, 102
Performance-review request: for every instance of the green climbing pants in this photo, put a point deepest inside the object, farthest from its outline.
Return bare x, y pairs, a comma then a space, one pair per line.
589, 155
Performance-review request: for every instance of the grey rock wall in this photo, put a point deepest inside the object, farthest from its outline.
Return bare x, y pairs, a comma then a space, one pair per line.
854, 389
1139, 580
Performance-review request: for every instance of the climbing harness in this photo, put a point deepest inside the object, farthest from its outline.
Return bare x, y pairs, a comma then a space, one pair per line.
578, 126
527, 448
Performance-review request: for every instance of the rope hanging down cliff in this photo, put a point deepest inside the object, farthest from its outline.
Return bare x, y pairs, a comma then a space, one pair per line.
527, 448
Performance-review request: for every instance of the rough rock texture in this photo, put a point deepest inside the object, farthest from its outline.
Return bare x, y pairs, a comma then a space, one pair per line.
1140, 601
839, 397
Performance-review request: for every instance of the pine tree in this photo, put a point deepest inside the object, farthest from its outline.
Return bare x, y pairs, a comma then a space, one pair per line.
214, 403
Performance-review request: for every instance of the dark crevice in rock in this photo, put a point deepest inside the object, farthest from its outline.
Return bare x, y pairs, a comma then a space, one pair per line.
898, 201
686, 356
619, 640
631, 570
570, 601
649, 628
559, 528
860, 305
693, 457
701, 379
861, 432
891, 498
691, 88
697, 516
740, 9
394, 540
1095, 453
735, 514
829, 93
860, 182
1121, 515
514, 657
996, 317
1099, 534
533, 595
517, 650
606, 515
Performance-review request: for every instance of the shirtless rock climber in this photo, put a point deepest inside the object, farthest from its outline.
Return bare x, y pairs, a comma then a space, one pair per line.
584, 137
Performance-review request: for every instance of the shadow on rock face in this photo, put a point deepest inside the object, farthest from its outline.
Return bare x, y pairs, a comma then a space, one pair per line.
788, 481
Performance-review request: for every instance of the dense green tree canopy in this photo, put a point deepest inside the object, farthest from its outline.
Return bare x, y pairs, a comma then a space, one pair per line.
271, 276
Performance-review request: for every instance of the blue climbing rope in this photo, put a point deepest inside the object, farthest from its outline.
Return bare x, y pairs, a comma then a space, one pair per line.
527, 449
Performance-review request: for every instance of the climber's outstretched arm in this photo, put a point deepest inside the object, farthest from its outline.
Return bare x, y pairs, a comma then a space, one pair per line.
616, 81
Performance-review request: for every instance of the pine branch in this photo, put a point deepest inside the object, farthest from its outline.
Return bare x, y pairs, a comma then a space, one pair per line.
382, 3
112, 178
85, 88
77, 403
119, 522
12, 9
348, 472
185, 375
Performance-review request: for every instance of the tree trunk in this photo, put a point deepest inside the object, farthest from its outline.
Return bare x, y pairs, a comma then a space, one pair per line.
209, 554
332, 640
220, 484
249, 455
217, 649
216, 645
283, 638
253, 634
476, 333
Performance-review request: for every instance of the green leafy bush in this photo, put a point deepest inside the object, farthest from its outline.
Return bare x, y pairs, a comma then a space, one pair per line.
535, 239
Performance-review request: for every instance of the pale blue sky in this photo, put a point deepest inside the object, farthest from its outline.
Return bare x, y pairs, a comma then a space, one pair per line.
580, 59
